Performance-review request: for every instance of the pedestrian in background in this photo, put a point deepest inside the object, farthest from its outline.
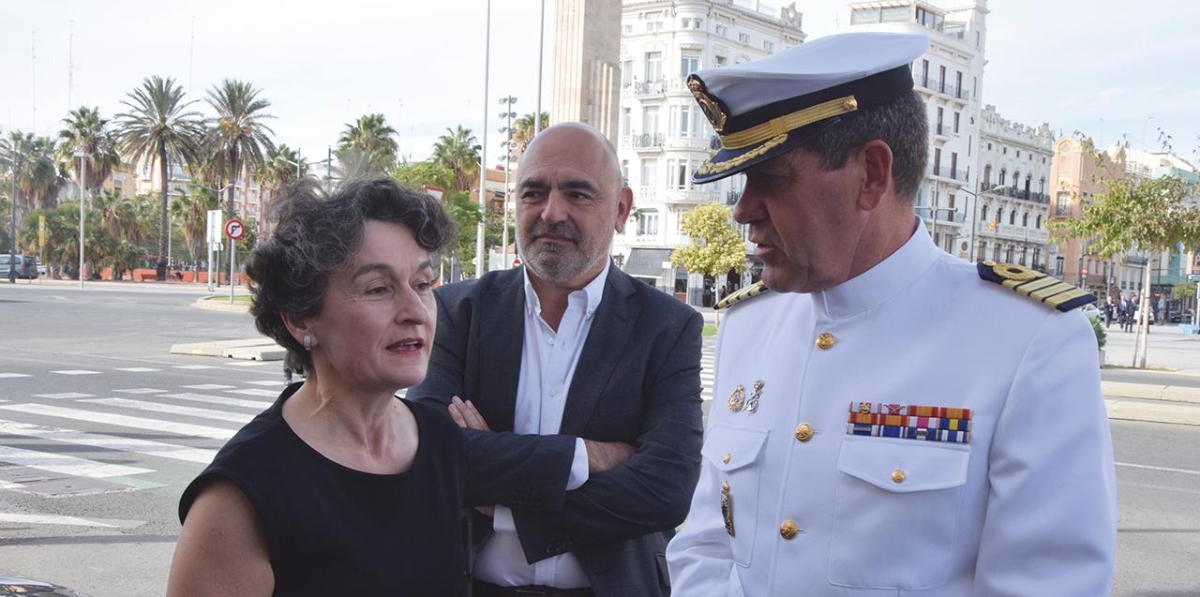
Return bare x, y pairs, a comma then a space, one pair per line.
339, 488
888, 419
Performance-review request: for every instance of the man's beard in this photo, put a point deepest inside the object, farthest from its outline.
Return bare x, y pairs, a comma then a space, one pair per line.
553, 262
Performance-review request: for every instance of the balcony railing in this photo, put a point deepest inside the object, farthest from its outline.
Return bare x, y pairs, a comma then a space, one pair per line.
949, 173
654, 87
644, 140
940, 86
1015, 193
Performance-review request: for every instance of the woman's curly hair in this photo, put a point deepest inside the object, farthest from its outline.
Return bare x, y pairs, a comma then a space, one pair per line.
317, 235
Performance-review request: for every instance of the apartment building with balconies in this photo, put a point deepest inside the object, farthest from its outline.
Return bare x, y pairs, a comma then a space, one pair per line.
663, 136
949, 77
1012, 207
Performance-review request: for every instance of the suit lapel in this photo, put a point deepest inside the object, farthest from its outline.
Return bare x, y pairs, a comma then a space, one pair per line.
502, 321
611, 328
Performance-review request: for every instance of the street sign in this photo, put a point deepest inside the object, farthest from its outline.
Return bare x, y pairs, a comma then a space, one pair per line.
234, 228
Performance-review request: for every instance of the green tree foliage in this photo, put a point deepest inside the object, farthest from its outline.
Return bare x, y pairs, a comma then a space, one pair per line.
1152, 215
85, 131
716, 247
159, 128
459, 152
466, 215
419, 174
189, 211
34, 160
1183, 291
524, 129
367, 148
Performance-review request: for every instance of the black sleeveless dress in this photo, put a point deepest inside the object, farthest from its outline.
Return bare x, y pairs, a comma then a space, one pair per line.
332, 530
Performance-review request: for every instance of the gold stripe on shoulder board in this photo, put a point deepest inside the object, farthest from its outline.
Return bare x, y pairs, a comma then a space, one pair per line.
746, 293
1036, 285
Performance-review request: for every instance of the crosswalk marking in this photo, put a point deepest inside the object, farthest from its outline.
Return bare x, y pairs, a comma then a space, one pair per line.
249, 363
187, 411
195, 367
238, 402
63, 395
208, 386
255, 392
266, 382
12, 375
140, 391
111, 442
76, 372
23, 519
122, 420
138, 369
67, 465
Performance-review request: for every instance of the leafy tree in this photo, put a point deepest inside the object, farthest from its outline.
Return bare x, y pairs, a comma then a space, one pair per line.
85, 131
1153, 215
716, 247
190, 210
419, 174
459, 152
367, 148
39, 177
466, 215
524, 130
157, 127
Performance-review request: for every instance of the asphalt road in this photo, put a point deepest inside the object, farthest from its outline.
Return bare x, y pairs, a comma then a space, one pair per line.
101, 429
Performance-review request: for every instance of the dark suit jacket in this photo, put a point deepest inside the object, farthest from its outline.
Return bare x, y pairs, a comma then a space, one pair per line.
638, 381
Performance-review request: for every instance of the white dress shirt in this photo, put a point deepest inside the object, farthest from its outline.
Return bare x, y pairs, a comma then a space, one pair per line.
548, 361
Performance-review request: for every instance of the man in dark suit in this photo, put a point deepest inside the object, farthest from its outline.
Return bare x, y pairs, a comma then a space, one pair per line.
578, 388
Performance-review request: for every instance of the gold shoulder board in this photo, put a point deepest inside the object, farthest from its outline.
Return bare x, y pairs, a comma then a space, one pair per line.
1036, 285
746, 293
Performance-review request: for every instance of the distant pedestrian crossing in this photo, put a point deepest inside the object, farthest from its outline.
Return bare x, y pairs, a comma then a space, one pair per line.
137, 437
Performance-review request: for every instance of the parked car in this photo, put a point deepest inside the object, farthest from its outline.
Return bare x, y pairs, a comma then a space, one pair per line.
11, 586
1093, 312
26, 266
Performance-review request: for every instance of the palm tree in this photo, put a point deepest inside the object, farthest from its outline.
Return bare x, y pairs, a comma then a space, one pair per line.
157, 127
459, 152
239, 131
279, 170
523, 130
190, 209
88, 133
367, 147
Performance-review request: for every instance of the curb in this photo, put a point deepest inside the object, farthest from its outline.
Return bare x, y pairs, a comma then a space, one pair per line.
204, 303
1153, 412
1118, 389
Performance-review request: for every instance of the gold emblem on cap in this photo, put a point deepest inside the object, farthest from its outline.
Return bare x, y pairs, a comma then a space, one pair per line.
752, 402
727, 508
737, 399
708, 105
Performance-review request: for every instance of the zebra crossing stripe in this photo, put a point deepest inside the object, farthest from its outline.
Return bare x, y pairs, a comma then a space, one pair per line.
258, 405
12, 375
14, 518
122, 420
172, 409
255, 392
111, 442
66, 465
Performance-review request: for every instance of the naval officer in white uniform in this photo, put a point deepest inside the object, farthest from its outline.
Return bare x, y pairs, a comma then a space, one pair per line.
888, 420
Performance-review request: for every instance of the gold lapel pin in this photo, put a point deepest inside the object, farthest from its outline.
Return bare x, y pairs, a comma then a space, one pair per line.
737, 399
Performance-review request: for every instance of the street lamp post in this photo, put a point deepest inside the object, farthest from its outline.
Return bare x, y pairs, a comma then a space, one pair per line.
508, 115
479, 227
83, 157
12, 210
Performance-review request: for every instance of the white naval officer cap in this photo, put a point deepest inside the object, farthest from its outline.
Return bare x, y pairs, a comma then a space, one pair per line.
766, 107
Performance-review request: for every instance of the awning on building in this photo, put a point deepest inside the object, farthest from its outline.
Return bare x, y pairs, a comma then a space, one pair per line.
647, 262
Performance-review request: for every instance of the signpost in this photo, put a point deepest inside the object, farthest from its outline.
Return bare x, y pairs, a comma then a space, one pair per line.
234, 229
213, 238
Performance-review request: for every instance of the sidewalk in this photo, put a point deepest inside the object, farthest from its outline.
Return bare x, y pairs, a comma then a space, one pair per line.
124, 285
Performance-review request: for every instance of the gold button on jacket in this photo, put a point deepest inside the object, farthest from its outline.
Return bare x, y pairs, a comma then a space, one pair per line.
788, 530
804, 432
825, 341
898, 476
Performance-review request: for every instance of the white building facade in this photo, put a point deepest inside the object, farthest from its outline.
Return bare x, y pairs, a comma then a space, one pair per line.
663, 136
949, 77
1013, 205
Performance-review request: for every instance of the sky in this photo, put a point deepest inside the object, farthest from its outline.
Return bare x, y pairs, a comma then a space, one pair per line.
1110, 69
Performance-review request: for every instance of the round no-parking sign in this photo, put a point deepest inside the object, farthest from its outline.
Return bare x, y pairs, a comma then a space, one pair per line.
234, 228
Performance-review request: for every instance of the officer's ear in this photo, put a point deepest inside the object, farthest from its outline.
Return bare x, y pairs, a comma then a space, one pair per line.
874, 159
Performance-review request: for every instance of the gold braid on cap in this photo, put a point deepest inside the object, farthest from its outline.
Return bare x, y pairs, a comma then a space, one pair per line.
787, 123
710, 167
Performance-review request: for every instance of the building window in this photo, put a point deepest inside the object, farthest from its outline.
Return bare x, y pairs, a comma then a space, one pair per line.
937, 161
942, 79
653, 66
940, 114
721, 30
954, 165
1025, 220
627, 29
744, 38
626, 73
1018, 154
1062, 203
647, 223
688, 64
983, 213
958, 90
768, 45
1016, 179
720, 60
1003, 173
678, 171
625, 172
957, 117
999, 214
924, 73
1060, 264
987, 175
1039, 222
650, 120
626, 117
650, 172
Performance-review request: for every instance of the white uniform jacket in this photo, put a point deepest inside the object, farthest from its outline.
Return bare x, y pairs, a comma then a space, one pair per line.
1015, 497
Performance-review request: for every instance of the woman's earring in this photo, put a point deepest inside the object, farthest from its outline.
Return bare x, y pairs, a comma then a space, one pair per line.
307, 342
